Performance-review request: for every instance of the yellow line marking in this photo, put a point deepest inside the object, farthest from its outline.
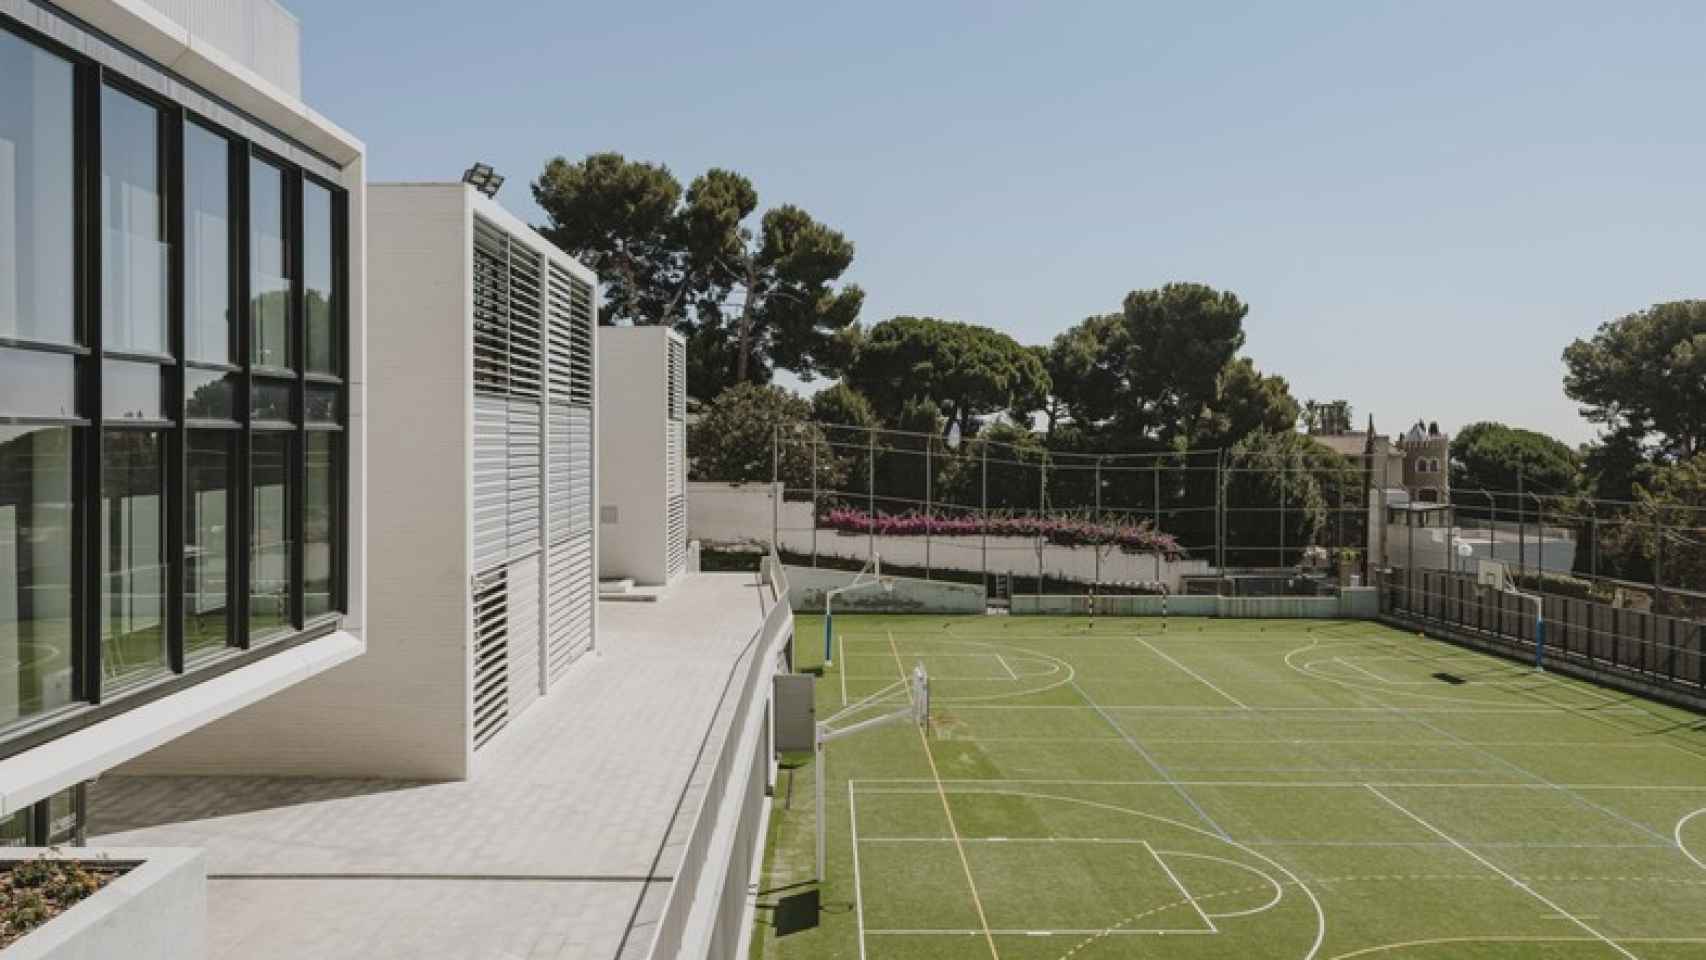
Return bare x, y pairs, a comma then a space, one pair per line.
942, 793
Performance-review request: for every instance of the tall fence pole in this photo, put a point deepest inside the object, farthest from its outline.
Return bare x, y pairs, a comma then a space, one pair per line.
1283, 465
815, 504
929, 514
1042, 502
1521, 526
870, 493
983, 515
1157, 531
1098, 547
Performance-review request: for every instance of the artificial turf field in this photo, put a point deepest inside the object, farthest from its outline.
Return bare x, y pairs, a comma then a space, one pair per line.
1235, 788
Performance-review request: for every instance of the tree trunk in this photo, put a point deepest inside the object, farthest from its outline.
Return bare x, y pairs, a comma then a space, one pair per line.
746, 325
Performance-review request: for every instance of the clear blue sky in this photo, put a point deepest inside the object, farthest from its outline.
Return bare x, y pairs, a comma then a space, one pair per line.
1422, 203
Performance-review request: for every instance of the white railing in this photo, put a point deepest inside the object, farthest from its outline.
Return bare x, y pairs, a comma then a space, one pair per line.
703, 916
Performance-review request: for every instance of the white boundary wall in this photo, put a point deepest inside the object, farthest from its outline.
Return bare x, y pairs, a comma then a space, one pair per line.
722, 513
156, 911
808, 585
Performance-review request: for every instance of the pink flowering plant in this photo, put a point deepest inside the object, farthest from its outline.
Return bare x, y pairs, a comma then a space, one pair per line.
1140, 537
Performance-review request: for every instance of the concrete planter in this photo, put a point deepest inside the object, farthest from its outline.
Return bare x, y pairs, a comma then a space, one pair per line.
156, 911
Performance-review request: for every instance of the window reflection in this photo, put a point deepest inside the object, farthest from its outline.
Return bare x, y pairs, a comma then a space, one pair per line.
35, 570
133, 555
207, 242
208, 394
207, 540
319, 294
132, 391
269, 263
36, 243
134, 255
270, 548
320, 520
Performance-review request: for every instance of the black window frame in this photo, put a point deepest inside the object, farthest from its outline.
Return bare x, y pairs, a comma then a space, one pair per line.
90, 702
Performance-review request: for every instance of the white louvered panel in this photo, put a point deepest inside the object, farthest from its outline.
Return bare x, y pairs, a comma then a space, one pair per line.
675, 458
525, 614
559, 471
524, 440
491, 650
580, 355
569, 592
676, 548
526, 323
560, 338
491, 309
580, 470
677, 379
491, 484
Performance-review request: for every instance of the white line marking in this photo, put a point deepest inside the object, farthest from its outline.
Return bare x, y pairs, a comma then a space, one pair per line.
1312, 784
1005, 667
1490, 865
1194, 675
1365, 672
858, 895
1279, 889
1040, 933
1181, 888
1684, 847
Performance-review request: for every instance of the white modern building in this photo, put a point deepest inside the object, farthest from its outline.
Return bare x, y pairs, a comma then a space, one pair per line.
483, 441
642, 427
182, 350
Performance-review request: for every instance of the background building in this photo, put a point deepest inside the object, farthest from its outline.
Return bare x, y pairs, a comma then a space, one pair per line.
181, 357
642, 424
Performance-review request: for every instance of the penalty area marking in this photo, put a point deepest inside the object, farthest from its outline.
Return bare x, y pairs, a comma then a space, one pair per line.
1490, 865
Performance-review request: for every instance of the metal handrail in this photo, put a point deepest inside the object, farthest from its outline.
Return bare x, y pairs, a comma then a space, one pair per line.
680, 923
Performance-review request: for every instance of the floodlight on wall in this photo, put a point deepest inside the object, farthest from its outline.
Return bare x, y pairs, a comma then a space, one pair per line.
483, 178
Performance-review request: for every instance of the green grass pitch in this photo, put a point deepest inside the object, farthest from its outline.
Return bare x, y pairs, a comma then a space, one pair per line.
1308, 790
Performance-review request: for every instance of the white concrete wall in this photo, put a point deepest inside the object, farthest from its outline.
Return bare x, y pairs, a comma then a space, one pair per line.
633, 424
807, 587
1433, 551
403, 709
156, 911
721, 513
260, 34
1358, 603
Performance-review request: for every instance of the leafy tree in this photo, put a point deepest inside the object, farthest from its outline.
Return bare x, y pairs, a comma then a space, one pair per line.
846, 419
735, 435
967, 371
1644, 376
1488, 456
1317, 488
1150, 370
622, 219
747, 301
1663, 538
1245, 401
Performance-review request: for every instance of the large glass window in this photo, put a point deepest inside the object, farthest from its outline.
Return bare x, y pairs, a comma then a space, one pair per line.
133, 555
269, 267
319, 272
207, 540
320, 523
134, 257
207, 246
36, 239
35, 570
270, 548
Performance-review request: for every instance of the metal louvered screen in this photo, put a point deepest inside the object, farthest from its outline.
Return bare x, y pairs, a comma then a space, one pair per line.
675, 445
570, 584
491, 486
491, 656
523, 657
676, 557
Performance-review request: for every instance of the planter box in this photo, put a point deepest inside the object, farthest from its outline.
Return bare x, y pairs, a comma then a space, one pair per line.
156, 911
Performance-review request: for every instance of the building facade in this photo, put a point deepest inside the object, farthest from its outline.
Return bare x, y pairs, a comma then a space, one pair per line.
643, 414
181, 357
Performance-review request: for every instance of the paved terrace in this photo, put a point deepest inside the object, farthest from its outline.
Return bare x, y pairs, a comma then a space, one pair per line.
562, 845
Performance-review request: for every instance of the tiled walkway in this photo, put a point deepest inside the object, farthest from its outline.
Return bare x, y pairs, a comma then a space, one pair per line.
545, 852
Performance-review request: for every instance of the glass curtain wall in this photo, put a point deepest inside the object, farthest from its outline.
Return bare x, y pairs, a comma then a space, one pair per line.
172, 392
